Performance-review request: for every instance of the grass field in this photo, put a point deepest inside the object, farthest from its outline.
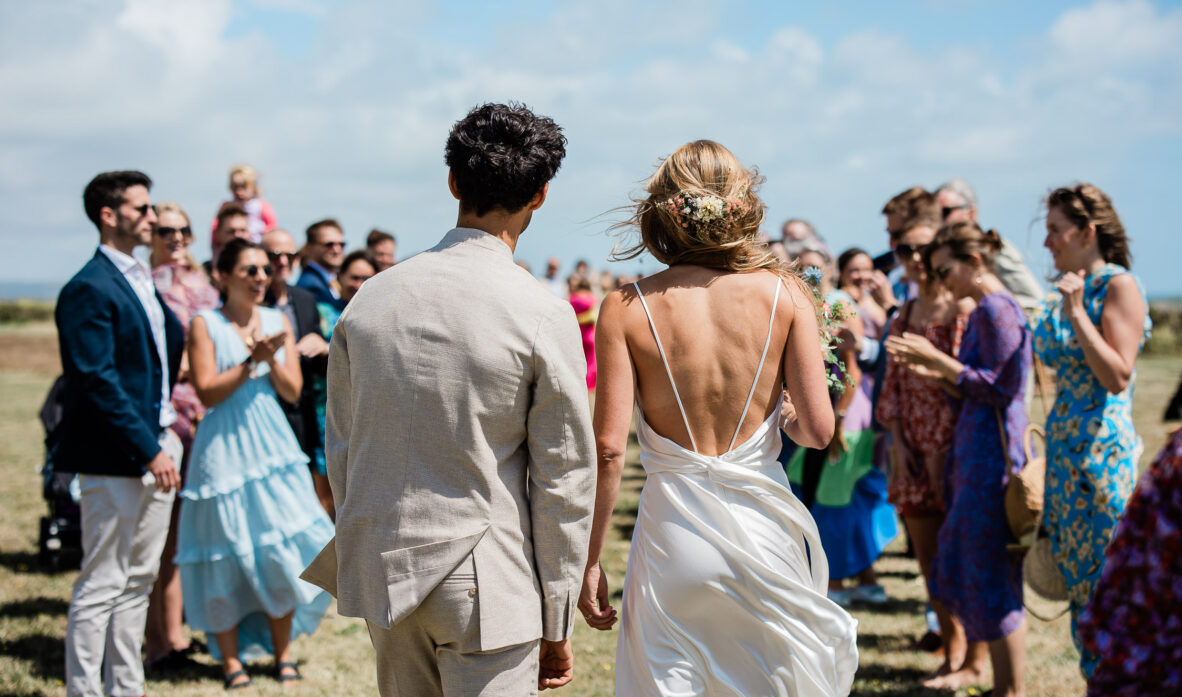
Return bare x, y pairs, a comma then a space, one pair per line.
338, 659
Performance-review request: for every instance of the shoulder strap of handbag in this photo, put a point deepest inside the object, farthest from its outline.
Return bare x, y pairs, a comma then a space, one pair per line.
1005, 442
1040, 380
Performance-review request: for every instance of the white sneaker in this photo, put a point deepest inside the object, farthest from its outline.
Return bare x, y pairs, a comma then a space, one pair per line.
872, 595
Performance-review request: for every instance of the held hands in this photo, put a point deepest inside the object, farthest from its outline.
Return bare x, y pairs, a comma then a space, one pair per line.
164, 470
595, 600
1071, 287
556, 663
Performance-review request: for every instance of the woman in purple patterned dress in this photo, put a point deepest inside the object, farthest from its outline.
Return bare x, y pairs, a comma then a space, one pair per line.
186, 290
1134, 622
973, 574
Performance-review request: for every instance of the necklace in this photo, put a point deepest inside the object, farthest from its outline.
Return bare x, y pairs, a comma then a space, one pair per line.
248, 331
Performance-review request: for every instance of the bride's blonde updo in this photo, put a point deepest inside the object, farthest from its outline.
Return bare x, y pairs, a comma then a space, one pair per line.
702, 208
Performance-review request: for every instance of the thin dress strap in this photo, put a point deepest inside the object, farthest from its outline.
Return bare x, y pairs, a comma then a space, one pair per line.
668, 372
770, 323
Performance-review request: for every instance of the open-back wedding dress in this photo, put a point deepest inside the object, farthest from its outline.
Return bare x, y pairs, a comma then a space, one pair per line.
720, 597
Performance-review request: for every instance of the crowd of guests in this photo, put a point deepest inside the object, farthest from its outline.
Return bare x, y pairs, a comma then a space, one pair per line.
938, 342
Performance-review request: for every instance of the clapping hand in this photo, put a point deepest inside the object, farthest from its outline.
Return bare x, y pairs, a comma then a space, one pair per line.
595, 600
881, 290
917, 353
787, 411
264, 349
1071, 287
312, 345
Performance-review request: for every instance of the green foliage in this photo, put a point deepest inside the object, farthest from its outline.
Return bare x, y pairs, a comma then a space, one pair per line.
25, 311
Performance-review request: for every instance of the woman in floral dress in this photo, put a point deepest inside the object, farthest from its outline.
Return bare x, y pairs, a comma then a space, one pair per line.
1089, 332
973, 573
917, 413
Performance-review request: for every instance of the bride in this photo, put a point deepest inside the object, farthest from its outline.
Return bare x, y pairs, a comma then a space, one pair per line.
720, 597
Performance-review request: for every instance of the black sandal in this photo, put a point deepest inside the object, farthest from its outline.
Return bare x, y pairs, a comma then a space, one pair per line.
231, 685
287, 677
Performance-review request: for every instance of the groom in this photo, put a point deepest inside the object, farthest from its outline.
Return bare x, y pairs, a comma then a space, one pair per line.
459, 442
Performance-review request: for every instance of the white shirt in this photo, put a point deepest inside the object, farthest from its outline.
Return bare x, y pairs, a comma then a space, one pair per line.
137, 274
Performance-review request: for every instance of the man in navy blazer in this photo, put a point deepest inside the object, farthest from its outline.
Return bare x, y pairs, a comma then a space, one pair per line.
324, 249
121, 351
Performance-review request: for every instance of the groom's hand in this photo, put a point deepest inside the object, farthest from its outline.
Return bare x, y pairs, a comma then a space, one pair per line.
555, 664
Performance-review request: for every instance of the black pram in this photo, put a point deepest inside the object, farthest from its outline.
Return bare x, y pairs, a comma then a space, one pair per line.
60, 544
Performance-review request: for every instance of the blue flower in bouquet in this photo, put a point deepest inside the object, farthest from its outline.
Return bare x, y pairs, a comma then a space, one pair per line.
812, 275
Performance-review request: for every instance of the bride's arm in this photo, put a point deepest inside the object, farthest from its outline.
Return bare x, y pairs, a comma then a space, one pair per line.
614, 396
804, 371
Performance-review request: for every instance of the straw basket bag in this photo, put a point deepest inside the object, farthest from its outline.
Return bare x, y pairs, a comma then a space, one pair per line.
1024, 491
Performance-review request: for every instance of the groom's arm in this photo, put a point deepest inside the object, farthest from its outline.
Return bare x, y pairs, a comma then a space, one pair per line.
561, 469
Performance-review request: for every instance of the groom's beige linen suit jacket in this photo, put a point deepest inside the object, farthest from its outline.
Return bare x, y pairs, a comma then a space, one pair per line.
458, 424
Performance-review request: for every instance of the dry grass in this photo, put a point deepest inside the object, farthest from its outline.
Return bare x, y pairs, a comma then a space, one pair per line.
338, 659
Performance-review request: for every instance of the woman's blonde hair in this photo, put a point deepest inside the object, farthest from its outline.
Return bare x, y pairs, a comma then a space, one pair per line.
174, 207
725, 237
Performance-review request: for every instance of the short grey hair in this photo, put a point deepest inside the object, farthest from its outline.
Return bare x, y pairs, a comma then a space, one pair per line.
961, 188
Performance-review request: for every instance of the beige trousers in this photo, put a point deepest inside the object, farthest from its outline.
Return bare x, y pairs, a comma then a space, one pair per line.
435, 652
124, 523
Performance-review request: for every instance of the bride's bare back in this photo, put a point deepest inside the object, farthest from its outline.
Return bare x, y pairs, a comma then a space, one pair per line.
713, 326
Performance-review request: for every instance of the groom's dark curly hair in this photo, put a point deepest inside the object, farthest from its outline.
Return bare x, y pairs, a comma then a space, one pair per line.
502, 155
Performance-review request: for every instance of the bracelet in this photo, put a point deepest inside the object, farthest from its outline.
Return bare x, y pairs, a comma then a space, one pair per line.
839, 414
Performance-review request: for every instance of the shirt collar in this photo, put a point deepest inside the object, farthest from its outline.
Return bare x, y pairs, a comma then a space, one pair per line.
323, 271
480, 238
124, 262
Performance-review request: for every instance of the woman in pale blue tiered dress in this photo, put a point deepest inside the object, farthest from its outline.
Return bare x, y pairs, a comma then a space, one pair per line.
250, 521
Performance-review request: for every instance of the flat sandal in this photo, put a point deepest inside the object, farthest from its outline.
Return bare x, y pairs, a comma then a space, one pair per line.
281, 677
229, 680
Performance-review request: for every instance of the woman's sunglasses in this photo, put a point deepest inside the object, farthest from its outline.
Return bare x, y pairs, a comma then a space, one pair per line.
906, 251
254, 269
185, 231
941, 272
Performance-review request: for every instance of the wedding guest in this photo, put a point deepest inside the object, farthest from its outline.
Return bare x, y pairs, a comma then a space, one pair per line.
920, 421
552, 280
1134, 622
1089, 331
244, 187
356, 269
121, 349
186, 290
299, 306
958, 203
585, 305
322, 254
973, 573
797, 235
231, 223
382, 248
852, 512
250, 522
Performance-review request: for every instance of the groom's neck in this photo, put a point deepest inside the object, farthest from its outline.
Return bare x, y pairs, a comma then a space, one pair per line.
507, 227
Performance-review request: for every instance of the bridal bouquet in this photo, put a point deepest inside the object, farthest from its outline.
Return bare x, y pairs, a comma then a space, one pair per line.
832, 315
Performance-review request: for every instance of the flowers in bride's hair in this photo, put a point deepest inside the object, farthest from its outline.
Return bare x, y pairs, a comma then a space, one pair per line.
704, 210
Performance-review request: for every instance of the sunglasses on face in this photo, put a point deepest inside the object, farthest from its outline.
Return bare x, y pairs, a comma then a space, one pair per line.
285, 256
941, 272
906, 251
170, 231
949, 210
337, 245
254, 269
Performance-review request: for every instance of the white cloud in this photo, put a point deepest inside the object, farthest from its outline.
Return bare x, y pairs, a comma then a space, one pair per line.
354, 126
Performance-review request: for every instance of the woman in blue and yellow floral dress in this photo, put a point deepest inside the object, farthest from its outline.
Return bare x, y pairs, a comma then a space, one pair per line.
1089, 332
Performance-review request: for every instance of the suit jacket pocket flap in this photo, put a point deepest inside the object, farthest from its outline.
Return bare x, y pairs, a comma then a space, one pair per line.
413, 572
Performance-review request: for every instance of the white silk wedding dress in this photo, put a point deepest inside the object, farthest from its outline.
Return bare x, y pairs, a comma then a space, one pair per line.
719, 596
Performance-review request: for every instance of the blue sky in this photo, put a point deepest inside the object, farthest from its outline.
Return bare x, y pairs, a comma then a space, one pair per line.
344, 108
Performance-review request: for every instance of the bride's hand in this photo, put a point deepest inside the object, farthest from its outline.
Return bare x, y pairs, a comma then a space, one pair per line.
594, 600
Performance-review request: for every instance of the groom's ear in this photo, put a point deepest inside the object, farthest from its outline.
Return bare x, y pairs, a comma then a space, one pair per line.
539, 198
451, 184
